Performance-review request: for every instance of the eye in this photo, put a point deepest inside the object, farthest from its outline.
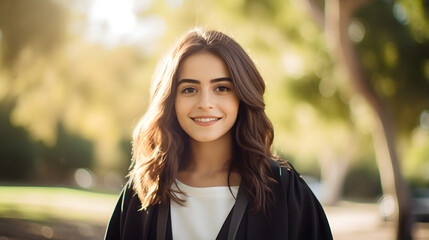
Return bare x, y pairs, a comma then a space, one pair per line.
222, 89
189, 90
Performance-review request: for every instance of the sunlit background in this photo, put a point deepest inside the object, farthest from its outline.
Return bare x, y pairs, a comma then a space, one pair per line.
74, 79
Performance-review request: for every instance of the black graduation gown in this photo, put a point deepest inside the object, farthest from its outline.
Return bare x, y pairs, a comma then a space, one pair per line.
296, 214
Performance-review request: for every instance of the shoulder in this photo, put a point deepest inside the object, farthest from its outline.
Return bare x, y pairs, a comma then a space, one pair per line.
303, 208
129, 200
292, 183
283, 170
128, 220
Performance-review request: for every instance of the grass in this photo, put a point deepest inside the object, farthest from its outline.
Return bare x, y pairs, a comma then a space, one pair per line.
44, 203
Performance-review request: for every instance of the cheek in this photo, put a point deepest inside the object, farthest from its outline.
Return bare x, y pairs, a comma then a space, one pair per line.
233, 105
181, 107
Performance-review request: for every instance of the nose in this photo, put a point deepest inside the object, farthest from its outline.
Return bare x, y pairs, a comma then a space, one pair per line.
205, 101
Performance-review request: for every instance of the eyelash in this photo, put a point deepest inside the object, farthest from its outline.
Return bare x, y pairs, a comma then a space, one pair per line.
225, 88
187, 90
217, 89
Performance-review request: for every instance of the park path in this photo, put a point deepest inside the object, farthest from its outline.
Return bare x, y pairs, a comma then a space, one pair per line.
361, 221
348, 220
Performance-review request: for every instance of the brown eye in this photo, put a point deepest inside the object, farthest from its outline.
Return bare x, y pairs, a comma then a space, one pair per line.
189, 90
222, 89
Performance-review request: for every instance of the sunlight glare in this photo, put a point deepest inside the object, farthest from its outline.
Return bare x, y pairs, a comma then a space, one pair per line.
293, 64
174, 3
114, 22
118, 16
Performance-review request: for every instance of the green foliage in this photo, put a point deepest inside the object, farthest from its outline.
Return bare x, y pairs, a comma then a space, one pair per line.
417, 12
363, 181
395, 52
17, 150
24, 159
386, 53
69, 153
417, 159
26, 23
79, 100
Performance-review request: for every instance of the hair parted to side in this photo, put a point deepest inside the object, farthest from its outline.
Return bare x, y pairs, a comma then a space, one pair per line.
159, 143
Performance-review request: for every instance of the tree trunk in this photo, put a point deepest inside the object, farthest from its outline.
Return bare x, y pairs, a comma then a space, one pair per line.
337, 18
333, 171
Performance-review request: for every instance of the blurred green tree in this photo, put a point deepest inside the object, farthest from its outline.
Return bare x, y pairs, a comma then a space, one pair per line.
95, 91
390, 73
53, 78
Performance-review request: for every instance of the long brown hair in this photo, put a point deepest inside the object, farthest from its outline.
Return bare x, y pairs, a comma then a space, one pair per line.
159, 143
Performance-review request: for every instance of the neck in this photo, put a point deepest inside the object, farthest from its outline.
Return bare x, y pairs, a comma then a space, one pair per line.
209, 164
214, 156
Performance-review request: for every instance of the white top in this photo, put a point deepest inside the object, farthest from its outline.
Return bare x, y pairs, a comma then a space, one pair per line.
204, 213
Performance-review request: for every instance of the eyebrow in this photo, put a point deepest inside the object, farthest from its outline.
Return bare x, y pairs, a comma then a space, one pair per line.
187, 80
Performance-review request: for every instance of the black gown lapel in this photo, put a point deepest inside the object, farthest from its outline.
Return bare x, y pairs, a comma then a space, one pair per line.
161, 222
237, 213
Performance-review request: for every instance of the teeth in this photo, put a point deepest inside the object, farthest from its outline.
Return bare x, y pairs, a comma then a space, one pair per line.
205, 119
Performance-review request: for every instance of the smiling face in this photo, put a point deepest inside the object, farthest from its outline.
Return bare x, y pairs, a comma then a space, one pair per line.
206, 103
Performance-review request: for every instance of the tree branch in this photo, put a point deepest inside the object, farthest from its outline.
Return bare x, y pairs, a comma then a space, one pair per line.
317, 13
350, 6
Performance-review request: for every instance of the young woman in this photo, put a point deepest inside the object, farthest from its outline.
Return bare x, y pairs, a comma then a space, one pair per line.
203, 167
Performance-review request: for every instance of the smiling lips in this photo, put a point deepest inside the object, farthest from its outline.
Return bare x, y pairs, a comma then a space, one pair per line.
205, 121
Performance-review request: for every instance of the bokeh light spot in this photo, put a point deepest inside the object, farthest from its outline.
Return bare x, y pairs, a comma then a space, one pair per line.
390, 54
293, 64
400, 14
84, 178
326, 88
47, 232
424, 119
386, 205
356, 31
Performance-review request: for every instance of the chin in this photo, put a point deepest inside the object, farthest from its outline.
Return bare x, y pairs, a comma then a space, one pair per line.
205, 139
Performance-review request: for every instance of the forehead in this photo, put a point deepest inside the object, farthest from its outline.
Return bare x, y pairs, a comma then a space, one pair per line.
203, 65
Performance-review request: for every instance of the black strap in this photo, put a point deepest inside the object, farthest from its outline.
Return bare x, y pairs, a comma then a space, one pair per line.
237, 213
161, 223
276, 166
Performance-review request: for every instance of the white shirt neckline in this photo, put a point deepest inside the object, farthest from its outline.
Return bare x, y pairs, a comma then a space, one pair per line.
203, 213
